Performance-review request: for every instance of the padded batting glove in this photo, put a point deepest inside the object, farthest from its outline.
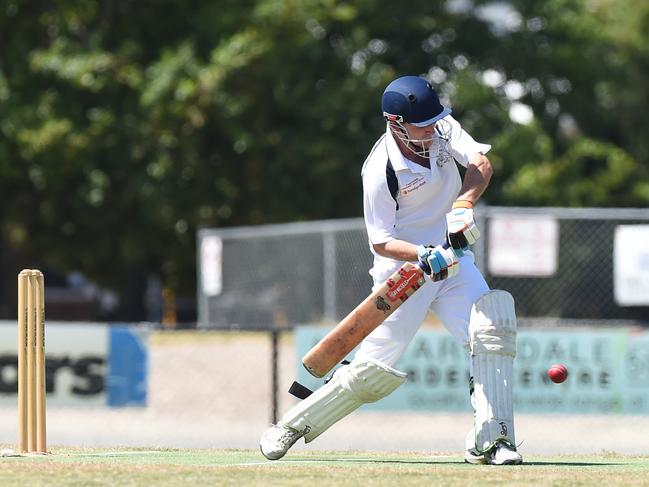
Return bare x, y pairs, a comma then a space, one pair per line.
462, 230
439, 263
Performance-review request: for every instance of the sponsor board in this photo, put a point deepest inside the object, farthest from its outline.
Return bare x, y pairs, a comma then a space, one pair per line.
523, 246
608, 372
631, 265
88, 364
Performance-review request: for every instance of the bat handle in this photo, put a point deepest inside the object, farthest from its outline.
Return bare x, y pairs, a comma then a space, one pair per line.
445, 245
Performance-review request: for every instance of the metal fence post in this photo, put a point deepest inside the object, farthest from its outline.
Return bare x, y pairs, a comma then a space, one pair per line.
329, 275
274, 336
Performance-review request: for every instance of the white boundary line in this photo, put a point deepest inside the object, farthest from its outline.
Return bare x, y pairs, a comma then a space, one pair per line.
113, 453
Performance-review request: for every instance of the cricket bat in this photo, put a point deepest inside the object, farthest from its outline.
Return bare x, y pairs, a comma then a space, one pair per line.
363, 319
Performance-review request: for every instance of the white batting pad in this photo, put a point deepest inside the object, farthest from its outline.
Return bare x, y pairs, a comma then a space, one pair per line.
492, 331
351, 386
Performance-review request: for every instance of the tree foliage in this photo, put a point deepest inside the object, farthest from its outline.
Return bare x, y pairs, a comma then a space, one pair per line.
127, 125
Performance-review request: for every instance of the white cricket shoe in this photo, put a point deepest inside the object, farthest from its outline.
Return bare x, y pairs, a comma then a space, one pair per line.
277, 440
502, 453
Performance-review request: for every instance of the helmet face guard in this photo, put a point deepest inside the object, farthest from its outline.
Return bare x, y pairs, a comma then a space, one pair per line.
437, 142
412, 100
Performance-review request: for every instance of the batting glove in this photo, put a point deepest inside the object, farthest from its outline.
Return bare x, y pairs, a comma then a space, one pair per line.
439, 263
462, 230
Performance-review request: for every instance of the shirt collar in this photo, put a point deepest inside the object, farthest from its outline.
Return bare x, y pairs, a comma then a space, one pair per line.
399, 162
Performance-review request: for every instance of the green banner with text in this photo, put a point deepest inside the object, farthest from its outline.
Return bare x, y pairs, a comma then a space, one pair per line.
608, 372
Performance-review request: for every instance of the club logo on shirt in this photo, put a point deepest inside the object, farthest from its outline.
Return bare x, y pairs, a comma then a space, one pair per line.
443, 132
413, 185
443, 152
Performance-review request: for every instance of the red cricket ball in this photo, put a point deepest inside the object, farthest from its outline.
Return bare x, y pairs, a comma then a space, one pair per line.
558, 373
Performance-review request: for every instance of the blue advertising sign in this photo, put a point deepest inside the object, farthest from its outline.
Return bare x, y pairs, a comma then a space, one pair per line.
128, 366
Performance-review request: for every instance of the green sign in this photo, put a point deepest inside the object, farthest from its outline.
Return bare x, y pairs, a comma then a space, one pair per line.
608, 372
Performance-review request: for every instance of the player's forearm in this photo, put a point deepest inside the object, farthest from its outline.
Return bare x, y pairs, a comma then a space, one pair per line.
397, 249
476, 179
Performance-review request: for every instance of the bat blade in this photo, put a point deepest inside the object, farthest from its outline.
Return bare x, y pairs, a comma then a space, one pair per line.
363, 319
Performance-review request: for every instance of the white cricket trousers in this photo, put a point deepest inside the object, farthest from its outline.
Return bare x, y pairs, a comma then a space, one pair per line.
450, 300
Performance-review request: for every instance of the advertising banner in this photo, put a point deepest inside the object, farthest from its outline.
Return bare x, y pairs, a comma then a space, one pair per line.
631, 265
88, 364
608, 372
523, 246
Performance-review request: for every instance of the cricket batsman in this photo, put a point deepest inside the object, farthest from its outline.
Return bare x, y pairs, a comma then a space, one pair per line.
415, 201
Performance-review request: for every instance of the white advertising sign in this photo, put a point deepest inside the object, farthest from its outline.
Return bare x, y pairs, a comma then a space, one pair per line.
88, 364
631, 265
212, 265
76, 359
523, 246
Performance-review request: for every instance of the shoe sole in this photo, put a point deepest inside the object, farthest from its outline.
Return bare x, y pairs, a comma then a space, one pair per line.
509, 462
484, 461
506, 462
270, 457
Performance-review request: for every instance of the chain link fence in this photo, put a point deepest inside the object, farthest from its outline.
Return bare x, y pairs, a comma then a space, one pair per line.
582, 284
281, 275
557, 263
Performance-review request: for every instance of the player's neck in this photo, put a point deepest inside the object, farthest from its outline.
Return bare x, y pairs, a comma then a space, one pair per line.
410, 155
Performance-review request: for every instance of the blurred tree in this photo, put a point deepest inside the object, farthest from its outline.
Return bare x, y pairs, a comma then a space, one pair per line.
127, 125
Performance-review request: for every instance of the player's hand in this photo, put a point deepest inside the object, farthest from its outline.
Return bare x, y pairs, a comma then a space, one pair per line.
439, 263
462, 230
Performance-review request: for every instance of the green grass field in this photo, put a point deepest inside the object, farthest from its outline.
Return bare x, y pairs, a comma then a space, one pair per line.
122, 467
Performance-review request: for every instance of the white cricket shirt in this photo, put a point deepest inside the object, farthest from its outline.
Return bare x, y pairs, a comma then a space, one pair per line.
424, 197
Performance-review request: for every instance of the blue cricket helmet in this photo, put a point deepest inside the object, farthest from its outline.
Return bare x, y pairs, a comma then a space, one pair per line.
412, 100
